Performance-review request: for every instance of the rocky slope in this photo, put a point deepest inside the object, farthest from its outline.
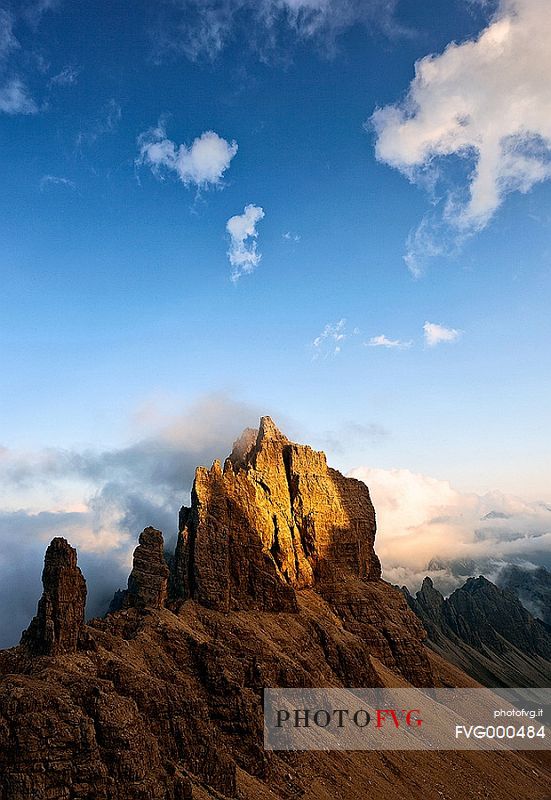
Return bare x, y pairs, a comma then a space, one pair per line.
487, 632
532, 587
274, 582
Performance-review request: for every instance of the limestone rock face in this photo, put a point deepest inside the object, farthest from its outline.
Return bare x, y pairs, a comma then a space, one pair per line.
275, 519
163, 698
148, 581
59, 620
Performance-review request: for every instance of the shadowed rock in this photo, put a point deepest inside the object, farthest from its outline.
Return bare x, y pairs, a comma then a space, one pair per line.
59, 620
486, 631
148, 581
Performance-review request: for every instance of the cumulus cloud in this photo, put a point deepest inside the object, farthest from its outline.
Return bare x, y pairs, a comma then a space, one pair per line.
103, 499
202, 164
486, 101
330, 340
243, 254
426, 527
202, 28
436, 334
15, 98
384, 341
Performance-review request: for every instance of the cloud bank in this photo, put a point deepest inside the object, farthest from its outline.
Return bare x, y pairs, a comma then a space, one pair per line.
201, 164
426, 527
243, 254
486, 101
100, 501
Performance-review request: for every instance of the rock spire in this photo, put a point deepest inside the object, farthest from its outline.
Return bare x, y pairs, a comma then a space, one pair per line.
59, 620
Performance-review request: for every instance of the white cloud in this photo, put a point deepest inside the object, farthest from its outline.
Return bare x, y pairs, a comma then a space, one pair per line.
486, 100
425, 526
290, 237
203, 163
384, 341
54, 180
15, 99
330, 340
243, 255
436, 334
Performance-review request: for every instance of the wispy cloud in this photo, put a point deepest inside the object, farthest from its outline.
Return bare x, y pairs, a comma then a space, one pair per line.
15, 98
437, 334
330, 340
243, 254
290, 237
106, 122
35, 10
8, 41
487, 101
48, 181
67, 77
201, 29
391, 344
202, 164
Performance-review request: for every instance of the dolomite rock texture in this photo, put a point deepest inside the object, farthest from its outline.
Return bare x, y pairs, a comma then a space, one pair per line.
59, 620
148, 581
275, 519
274, 583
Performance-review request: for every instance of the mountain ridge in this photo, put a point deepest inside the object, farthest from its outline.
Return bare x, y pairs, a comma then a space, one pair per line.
485, 631
275, 582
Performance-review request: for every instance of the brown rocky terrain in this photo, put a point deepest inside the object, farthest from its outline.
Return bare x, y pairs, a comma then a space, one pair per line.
274, 582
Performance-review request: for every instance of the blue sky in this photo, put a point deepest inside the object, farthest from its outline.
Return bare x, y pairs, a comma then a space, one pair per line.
118, 309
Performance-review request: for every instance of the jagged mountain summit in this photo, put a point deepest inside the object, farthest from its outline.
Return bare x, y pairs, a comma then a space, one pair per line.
485, 631
274, 582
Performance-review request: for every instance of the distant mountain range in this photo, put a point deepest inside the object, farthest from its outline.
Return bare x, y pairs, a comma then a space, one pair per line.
486, 631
